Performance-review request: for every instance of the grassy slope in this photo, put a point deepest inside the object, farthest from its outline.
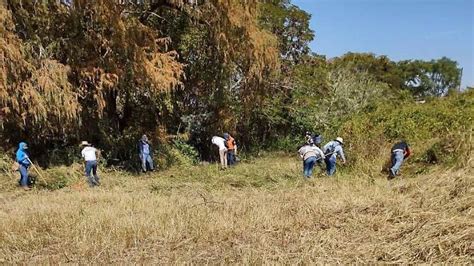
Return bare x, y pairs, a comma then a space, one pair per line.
261, 211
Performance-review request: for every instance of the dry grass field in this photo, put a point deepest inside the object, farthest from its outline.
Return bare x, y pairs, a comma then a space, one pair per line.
260, 212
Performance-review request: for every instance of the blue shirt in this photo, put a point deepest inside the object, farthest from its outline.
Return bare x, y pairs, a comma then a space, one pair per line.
336, 147
21, 155
146, 148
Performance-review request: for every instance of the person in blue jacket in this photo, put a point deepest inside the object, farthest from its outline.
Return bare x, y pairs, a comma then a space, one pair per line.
24, 162
332, 149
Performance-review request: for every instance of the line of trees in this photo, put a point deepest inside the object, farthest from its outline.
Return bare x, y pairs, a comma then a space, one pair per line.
109, 71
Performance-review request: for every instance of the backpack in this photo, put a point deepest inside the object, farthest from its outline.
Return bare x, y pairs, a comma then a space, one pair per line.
317, 139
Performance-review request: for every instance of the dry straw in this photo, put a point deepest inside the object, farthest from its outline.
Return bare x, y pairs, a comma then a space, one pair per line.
259, 212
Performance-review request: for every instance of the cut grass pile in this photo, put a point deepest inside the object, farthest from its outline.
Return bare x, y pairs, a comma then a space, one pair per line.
262, 211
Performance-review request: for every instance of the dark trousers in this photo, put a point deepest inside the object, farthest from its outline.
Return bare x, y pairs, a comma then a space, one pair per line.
230, 157
308, 165
330, 165
91, 173
23, 175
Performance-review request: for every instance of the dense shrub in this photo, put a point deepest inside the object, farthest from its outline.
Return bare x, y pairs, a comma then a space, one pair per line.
439, 131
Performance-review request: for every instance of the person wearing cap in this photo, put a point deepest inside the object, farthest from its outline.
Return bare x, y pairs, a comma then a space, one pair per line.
145, 153
221, 144
90, 155
399, 152
24, 163
310, 154
332, 149
231, 149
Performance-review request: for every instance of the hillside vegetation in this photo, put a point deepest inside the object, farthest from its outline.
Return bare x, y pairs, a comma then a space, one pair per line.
440, 131
263, 211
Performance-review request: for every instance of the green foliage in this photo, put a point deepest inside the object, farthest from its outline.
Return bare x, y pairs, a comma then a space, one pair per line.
60, 180
291, 25
440, 131
321, 97
287, 143
430, 78
190, 154
421, 78
381, 68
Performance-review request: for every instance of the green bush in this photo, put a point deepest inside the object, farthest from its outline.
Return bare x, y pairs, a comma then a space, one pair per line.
439, 131
188, 154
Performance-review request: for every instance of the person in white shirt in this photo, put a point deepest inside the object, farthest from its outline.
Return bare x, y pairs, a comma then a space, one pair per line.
89, 154
220, 143
310, 153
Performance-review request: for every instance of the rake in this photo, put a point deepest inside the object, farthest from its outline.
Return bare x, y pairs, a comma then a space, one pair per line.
37, 171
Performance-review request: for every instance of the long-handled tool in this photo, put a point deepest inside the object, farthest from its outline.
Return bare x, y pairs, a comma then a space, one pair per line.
37, 171
331, 153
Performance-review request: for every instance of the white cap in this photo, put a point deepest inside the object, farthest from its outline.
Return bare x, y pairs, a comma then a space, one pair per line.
340, 140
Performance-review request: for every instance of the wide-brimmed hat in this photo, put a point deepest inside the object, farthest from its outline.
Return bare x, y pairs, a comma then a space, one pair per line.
340, 140
85, 143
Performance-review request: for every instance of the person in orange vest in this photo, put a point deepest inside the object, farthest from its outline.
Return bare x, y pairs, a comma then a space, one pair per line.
231, 148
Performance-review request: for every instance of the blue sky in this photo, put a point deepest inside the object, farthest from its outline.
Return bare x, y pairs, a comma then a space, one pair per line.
400, 29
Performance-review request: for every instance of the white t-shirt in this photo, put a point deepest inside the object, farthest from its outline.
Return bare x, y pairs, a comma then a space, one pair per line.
88, 153
220, 142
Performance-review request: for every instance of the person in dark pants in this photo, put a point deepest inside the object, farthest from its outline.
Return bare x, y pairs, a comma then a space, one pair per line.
24, 163
90, 154
399, 152
231, 149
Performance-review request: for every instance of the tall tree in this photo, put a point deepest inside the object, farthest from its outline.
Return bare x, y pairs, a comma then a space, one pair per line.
430, 78
291, 25
36, 96
118, 67
380, 67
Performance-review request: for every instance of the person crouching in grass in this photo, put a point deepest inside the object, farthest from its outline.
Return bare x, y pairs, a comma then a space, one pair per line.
310, 153
399, 152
